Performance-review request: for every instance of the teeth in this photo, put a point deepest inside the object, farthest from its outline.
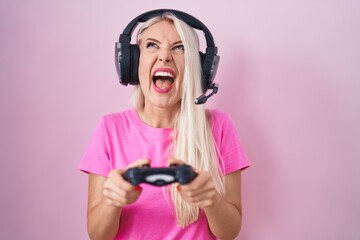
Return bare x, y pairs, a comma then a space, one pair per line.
163, 74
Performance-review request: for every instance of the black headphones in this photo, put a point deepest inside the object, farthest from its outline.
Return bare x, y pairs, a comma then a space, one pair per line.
127, 54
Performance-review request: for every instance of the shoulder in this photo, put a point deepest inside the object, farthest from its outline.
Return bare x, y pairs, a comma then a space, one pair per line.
218, 117
117, 121
222, 124
118, 117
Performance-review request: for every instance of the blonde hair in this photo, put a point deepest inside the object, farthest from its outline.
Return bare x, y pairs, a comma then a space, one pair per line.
193, 141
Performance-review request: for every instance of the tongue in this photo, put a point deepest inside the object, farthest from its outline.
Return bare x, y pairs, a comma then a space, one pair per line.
163, 83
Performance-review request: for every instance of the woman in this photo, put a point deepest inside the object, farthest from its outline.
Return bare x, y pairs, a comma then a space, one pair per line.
164, 128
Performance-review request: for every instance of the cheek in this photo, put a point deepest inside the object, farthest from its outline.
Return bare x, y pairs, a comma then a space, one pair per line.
142, 68
144, 79
143, 74
181, 72
180, 65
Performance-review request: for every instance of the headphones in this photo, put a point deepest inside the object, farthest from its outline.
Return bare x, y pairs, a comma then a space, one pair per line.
127, 54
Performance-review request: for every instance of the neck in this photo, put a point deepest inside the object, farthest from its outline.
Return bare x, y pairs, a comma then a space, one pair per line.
158, 117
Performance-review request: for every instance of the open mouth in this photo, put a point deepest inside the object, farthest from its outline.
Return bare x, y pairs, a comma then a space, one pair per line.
163, 79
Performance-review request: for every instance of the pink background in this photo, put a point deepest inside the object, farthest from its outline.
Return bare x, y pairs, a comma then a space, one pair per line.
289, 75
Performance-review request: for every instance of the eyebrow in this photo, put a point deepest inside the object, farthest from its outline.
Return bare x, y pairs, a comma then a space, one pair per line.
152, 40
157, 41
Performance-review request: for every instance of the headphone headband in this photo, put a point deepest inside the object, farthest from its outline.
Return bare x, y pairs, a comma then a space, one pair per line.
190, 20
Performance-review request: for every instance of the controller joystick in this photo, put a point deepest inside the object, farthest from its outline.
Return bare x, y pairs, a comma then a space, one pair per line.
182, 174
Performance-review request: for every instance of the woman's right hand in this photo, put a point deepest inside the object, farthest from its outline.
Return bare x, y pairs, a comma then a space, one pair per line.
117, 191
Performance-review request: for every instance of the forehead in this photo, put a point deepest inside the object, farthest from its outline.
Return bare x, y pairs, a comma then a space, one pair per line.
161, 30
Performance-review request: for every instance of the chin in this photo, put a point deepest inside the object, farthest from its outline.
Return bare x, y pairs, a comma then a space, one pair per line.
169, 103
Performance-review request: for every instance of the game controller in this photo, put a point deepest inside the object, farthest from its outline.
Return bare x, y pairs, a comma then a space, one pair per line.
182, 174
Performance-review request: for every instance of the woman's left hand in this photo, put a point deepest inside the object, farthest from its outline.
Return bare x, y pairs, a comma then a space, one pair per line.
201, 191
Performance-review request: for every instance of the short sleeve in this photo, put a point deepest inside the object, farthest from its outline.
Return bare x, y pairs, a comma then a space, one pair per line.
232, 156
96, 157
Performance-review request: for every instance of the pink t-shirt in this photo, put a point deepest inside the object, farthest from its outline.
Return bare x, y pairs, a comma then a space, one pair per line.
122, 138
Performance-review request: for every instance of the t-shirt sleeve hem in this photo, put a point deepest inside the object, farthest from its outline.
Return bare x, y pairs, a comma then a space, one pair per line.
86, 168
236, 166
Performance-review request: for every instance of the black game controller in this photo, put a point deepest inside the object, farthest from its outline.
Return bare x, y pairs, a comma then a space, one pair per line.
182, 174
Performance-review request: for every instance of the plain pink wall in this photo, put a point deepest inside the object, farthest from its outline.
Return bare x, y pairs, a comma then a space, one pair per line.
289, 75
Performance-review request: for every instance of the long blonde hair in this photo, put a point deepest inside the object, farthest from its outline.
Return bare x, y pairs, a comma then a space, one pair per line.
193, 141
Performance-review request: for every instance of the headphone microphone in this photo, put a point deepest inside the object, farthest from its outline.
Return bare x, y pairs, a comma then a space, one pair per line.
127, 55
203, 98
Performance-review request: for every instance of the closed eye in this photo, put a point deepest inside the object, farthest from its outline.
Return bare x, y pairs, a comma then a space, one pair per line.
151, 45
179, 47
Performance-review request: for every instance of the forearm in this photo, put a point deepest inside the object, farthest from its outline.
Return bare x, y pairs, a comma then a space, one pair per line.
224, 219
103, 221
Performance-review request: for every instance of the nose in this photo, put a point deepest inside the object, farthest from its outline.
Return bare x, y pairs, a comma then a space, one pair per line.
165, 55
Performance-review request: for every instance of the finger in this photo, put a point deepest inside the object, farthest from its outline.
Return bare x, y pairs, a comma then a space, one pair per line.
173, 161
113, 203
205, 195
114, 196
122, 198
115, 181
204, 203
139, 163
116, 203
118, 186
199, 182
200, 185
203, 199
198, 194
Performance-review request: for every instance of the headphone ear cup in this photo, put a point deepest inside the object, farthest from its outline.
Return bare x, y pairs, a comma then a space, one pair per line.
134, 64
204, 80
209, 67
117, 60
124, 62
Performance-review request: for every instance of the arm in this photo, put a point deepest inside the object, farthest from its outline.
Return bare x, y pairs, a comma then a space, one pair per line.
107, 196
224, 214
102, 218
